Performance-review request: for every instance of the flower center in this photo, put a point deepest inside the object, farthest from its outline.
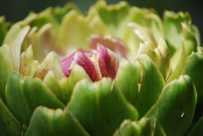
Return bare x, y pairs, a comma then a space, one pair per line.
99, 61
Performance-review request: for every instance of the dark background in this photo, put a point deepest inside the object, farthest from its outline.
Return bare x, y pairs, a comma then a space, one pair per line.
16, 10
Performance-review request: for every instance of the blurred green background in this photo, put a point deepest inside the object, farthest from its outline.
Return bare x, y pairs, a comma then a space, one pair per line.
16, 10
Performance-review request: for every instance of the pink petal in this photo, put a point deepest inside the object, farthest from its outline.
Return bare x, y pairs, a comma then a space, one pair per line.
114, 44
84, 61
65, 63
108, 62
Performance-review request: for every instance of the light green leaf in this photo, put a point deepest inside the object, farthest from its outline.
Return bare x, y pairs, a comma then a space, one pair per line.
63, 88
173, 29
24, 94
60, 12
147, 18
157, 128
143, 127
132, 128
137, 35
27, 64
44, 41
115, 17
144, 34
43, 18
51, 81
14, 38
189, 46
80, 27
150, 84
9, 125
51, 62
7, 67
127, 79
44, 34
194, 68
100, 107
176, 106
160, 56
50, 122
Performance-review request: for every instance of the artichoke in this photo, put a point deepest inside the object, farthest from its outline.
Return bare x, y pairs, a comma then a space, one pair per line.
115, 70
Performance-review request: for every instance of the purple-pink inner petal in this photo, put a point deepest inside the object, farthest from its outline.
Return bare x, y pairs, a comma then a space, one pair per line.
108, 62
84, 61
65, 63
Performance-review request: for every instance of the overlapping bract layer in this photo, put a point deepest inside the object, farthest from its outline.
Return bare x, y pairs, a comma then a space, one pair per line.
144, 79
102, 63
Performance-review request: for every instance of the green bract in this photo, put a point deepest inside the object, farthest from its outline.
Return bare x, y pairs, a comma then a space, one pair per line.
116, 70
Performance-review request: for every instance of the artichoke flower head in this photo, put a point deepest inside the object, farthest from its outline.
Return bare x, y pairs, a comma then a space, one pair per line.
115, 70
